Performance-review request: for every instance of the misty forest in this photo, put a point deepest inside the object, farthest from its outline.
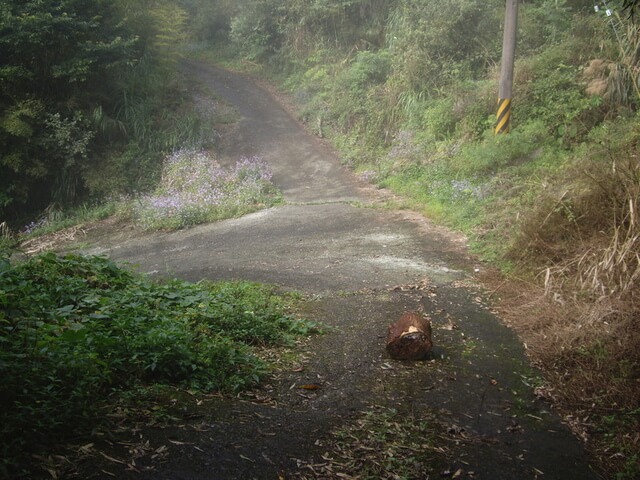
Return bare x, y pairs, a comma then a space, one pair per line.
98, 123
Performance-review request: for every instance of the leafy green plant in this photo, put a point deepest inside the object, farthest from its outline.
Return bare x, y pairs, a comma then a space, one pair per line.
76, 330
368, 68
497, 152
255, 30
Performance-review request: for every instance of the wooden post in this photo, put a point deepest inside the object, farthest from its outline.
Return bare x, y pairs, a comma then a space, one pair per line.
503, 116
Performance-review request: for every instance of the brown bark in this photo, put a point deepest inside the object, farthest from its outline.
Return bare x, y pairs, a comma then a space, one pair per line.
410, 337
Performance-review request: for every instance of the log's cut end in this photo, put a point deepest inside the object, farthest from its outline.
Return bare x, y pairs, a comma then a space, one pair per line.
410, 337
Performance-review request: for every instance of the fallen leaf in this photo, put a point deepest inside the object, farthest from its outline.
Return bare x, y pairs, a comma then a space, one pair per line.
111, 459
310, 386
177, 442
86, 448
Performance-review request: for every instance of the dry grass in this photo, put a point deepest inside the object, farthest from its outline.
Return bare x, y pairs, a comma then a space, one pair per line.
591, 239
579, 315
588, 352
618, 82
51, 241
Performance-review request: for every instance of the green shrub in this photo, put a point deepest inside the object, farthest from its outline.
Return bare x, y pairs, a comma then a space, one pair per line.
76, 330
496, 152
368, 68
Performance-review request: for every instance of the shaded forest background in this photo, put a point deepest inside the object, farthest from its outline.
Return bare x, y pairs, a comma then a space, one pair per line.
91, 101
88, 100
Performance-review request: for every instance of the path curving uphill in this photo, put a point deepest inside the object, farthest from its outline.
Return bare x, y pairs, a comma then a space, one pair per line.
363, 266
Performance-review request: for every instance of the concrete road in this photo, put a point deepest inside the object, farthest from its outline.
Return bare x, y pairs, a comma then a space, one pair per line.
363, 265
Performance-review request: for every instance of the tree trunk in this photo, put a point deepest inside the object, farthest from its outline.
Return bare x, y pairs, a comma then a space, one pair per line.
410, 337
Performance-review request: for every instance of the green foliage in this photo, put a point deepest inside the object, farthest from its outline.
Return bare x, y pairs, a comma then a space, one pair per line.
15, 120
355, 91
255, 29
431, 42
543, 23
368, 69
75, 330
553, 94
169, 20
56, 58
339, 24
210, 21
82, 82
497, 152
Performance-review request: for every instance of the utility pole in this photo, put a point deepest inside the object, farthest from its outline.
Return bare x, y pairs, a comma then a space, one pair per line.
503, 116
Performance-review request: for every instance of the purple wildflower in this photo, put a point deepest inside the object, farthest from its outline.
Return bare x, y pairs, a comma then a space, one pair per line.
195, 188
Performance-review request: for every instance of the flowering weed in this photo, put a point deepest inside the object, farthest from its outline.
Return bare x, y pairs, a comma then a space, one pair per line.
196, 189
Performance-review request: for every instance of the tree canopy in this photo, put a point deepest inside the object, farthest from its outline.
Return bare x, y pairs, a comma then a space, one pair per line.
73, 76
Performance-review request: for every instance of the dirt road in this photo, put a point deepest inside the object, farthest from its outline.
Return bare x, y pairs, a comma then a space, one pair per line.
362, 266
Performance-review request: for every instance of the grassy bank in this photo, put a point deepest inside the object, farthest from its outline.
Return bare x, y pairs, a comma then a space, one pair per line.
80, 335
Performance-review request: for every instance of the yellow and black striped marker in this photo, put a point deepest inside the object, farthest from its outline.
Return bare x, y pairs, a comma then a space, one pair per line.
503, 117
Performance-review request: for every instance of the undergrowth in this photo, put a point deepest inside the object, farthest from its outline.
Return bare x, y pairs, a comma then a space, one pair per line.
79, 332
195, 189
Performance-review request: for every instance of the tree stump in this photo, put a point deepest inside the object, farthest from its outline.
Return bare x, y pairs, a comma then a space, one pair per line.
410, 337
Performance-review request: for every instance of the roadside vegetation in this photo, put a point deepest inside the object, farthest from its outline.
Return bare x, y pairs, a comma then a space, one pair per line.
195, 189
407, 91
91, 101
80, 335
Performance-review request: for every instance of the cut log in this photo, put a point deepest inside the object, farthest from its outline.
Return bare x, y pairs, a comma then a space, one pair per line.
410, 337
